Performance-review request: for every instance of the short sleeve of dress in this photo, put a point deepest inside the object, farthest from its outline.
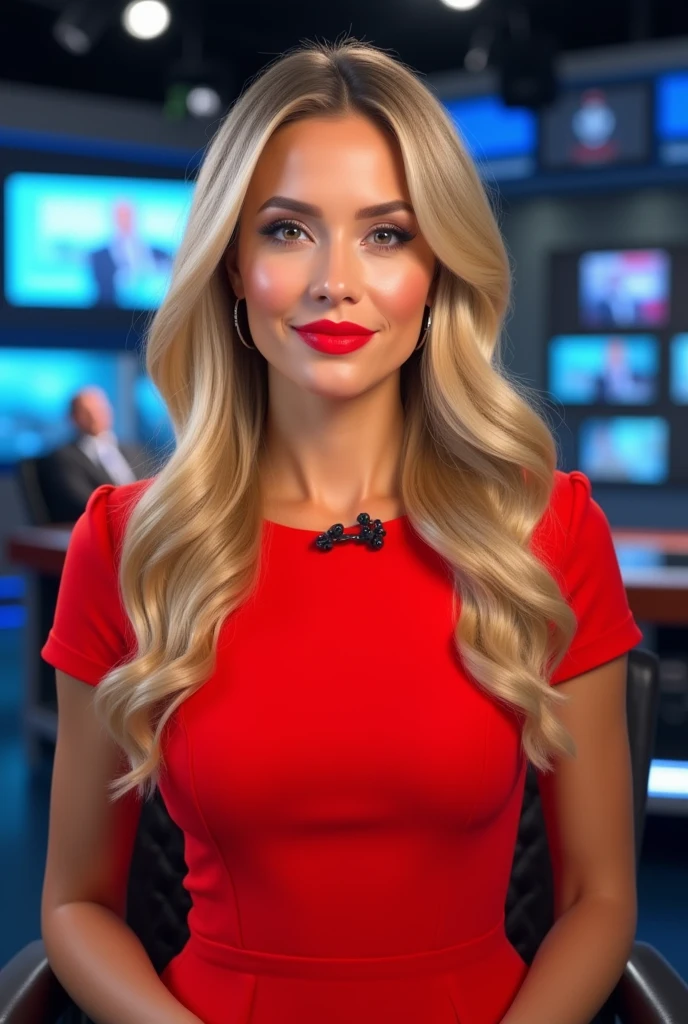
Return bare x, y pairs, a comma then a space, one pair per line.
577, 540
90, 633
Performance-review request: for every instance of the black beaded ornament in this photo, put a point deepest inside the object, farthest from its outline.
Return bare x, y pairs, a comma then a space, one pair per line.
371, 533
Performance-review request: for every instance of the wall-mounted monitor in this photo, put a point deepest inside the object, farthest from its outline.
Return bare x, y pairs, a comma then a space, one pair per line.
604, 369
90, 241
672, 117
503, 140
597, 127
624, 288
678, 370
36, 385
625, 449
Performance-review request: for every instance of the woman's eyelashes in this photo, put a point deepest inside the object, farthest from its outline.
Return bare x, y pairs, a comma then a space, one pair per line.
271, 231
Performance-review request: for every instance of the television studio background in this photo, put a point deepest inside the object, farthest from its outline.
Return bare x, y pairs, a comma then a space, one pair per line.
578, 118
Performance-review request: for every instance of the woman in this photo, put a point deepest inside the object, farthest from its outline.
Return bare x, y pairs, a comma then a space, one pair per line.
341, 728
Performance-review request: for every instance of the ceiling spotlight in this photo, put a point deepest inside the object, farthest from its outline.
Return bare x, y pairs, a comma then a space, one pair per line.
462, 5
146, 19
81, 25
203, 101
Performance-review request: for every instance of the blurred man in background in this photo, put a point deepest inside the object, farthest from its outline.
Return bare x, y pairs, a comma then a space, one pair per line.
72, 472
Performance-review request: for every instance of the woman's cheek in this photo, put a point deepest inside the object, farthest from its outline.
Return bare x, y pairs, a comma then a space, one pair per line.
274, 287
403, 293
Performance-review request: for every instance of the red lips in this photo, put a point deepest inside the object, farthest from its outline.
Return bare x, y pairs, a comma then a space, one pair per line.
340, 328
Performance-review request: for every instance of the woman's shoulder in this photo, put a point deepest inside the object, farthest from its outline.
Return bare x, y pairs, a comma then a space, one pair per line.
571, 505
115, 502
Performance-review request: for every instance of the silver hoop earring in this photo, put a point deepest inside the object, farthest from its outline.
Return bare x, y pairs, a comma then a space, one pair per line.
424, 335
238, 329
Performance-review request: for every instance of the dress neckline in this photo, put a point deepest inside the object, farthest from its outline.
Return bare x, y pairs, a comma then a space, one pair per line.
283, 528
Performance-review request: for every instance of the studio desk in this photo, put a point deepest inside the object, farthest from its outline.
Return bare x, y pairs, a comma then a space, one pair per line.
658, 595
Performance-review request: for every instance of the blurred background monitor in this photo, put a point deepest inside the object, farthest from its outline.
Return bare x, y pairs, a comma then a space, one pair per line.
36, 386
624, 288
503, 140
601, 126
83, 241
678, 372
672, 117
625, 449
604, 369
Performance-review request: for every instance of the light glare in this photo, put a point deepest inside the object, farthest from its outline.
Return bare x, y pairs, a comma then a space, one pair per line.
462, 5
146, 19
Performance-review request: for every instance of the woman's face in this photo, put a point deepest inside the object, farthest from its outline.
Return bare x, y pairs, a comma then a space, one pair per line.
311, 247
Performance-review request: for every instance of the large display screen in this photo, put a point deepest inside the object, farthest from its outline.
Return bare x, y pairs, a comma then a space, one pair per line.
628, 288
503, 140
37, 384
596, 127
672, 117
83, 241
604, 369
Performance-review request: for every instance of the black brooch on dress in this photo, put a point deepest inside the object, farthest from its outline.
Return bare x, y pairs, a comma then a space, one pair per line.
371, 533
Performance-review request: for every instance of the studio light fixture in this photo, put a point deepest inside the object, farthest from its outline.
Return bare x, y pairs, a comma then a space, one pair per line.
146, 19
82, 23
462, 5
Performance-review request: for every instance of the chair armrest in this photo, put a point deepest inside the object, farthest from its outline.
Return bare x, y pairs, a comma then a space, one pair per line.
651, 991
29, 991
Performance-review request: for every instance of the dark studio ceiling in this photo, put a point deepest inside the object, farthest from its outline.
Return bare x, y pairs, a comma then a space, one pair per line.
241, 36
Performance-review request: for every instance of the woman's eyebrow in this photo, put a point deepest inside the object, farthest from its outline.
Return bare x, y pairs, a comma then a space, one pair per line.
308, 210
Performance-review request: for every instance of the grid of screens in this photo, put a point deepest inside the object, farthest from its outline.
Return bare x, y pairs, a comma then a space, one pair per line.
617, 361
84, 241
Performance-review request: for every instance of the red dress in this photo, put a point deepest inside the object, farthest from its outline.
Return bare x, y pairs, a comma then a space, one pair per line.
349, 798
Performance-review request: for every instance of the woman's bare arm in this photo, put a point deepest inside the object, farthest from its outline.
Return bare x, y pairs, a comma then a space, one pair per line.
93, 952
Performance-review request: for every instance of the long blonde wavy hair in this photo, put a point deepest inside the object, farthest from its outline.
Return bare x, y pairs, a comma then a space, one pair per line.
478, 459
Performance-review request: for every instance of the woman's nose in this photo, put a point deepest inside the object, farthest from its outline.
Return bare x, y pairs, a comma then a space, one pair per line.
337, 272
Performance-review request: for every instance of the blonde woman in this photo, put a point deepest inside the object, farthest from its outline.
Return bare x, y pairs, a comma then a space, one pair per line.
339, 717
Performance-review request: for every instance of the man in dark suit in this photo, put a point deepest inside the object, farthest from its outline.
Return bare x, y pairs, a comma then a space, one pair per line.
70, 474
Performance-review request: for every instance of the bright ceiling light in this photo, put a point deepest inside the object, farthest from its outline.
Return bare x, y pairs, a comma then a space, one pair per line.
462, 5
203, 101
146, 19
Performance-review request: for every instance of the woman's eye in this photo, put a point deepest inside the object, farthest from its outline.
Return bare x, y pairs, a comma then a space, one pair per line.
287, 233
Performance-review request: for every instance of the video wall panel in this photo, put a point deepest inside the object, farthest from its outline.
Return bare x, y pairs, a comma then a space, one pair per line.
617, 362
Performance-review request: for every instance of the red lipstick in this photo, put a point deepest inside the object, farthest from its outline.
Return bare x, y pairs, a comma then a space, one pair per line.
334, 338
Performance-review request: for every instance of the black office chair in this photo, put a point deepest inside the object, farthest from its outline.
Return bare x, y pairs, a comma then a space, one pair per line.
650, 991
29, 480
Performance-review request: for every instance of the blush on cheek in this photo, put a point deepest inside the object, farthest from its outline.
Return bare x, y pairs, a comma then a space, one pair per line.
403, 296
272, 291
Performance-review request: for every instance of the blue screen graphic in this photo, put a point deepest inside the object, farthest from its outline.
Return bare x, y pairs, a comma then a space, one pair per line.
492, 130
672, 106
83, 241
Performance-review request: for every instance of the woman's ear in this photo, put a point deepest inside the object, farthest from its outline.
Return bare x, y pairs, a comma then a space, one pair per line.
231, 266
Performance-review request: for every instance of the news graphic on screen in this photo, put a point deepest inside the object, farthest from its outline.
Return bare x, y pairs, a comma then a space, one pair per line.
84, 241
36, 386
625, 449
604, 369
597, 127
678, 369
501, 139
624, 288
672, 117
